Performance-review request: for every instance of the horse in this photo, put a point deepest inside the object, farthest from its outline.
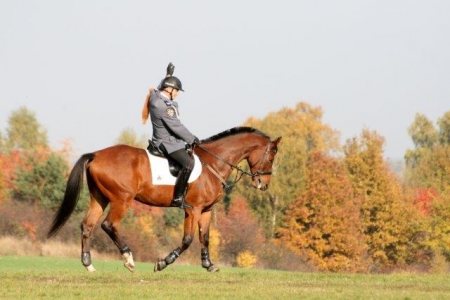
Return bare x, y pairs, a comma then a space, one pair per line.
120, 174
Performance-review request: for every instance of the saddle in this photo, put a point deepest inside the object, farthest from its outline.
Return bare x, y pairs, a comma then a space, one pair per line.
174, 167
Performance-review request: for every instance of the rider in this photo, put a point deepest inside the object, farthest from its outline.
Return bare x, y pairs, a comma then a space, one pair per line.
169, 134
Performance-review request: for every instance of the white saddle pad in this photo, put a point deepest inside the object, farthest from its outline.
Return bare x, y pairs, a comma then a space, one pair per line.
161, 174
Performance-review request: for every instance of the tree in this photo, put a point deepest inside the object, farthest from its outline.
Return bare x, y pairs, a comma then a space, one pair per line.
10, 162
129, 137
303, 132
2, 143
438, 235
444, 129
24, 138
384, 208
323, 224
428, 163
24, 132
422, 132
427, 169
239, 231
44, 183
3, 189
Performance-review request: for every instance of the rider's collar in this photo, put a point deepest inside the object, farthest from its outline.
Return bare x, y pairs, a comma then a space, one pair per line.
164, 95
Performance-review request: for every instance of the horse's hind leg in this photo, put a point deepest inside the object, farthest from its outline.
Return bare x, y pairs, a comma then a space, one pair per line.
203, 234
111, 226
94, 213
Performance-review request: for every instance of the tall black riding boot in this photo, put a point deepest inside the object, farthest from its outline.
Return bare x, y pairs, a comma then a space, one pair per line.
180, 190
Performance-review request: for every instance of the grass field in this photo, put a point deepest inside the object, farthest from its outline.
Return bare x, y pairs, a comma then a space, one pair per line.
43, 277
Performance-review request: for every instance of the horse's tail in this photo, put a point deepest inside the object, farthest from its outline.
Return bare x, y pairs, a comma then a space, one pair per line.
71, 195
146, 108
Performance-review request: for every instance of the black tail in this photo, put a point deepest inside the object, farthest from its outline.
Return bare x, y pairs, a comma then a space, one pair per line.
73, 189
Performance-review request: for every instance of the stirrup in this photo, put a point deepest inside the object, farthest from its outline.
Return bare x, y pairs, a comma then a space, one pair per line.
180, 202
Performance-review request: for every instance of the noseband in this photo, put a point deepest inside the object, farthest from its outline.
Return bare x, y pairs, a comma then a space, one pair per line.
259, 172
240, 171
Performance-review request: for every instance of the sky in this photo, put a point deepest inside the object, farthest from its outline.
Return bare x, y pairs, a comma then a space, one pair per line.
84, 67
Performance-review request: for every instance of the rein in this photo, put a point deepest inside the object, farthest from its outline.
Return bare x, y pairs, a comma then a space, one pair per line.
240, 171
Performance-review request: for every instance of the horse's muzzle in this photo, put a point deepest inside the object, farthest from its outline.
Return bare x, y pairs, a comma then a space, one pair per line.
259, 184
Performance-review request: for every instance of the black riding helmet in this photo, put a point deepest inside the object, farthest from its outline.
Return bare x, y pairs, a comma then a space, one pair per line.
171, 81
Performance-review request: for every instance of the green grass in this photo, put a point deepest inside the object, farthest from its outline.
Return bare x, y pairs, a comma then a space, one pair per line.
44, 277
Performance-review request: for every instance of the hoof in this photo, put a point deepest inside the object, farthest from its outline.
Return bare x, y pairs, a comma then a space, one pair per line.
129, 262
213, 269
129, 266
160, 265
90, 268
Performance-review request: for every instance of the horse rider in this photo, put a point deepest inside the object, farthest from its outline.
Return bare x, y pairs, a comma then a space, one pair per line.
169, 134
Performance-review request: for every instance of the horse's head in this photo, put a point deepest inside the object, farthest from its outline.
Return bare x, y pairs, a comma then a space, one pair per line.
260, 161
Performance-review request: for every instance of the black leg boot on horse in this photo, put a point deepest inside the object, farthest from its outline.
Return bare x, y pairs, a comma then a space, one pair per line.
180, 189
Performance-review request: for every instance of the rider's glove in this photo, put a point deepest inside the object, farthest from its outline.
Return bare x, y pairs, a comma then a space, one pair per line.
196, 141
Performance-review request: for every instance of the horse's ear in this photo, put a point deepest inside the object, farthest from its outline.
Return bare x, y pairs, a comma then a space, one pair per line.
276, 141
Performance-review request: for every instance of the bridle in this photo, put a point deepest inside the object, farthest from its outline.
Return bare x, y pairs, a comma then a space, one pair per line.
240, 172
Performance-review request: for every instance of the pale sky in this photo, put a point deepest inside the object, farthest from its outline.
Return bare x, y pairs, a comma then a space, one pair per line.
84, 67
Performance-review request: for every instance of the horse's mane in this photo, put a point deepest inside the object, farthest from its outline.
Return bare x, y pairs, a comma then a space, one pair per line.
233, 131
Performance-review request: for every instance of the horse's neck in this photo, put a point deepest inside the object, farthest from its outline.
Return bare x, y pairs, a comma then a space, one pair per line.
232, 151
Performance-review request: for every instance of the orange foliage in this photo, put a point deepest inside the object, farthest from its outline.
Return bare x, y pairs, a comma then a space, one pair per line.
424, 199
239, 230
323, 225
9, 163
31, 230
14, 160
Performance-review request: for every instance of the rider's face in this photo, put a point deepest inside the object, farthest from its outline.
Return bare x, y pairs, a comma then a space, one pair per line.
174, 93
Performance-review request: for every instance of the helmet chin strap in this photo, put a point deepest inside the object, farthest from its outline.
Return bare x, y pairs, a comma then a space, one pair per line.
170, 93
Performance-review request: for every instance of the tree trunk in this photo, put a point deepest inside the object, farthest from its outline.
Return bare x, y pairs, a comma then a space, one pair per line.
274, 203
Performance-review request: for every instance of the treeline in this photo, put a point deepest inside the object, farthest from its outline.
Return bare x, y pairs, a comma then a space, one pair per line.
341, 208
330, 207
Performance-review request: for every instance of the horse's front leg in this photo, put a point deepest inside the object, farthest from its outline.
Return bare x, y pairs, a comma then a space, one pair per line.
203, 233
190, 219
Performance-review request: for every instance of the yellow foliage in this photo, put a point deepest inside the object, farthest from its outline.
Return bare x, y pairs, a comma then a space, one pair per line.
146, 224
246, 259
214, 243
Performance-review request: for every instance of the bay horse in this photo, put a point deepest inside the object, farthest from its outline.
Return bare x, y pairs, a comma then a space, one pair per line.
120, 174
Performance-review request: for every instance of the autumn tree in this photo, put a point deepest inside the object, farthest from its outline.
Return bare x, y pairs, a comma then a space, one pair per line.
428, 163
24, 131
3, 190
303, 132
24, 136
384, 208
422, 132
129, 137
427, 168
323, 224
438, 235
44, 183
239, 231
444, 129
2, 143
